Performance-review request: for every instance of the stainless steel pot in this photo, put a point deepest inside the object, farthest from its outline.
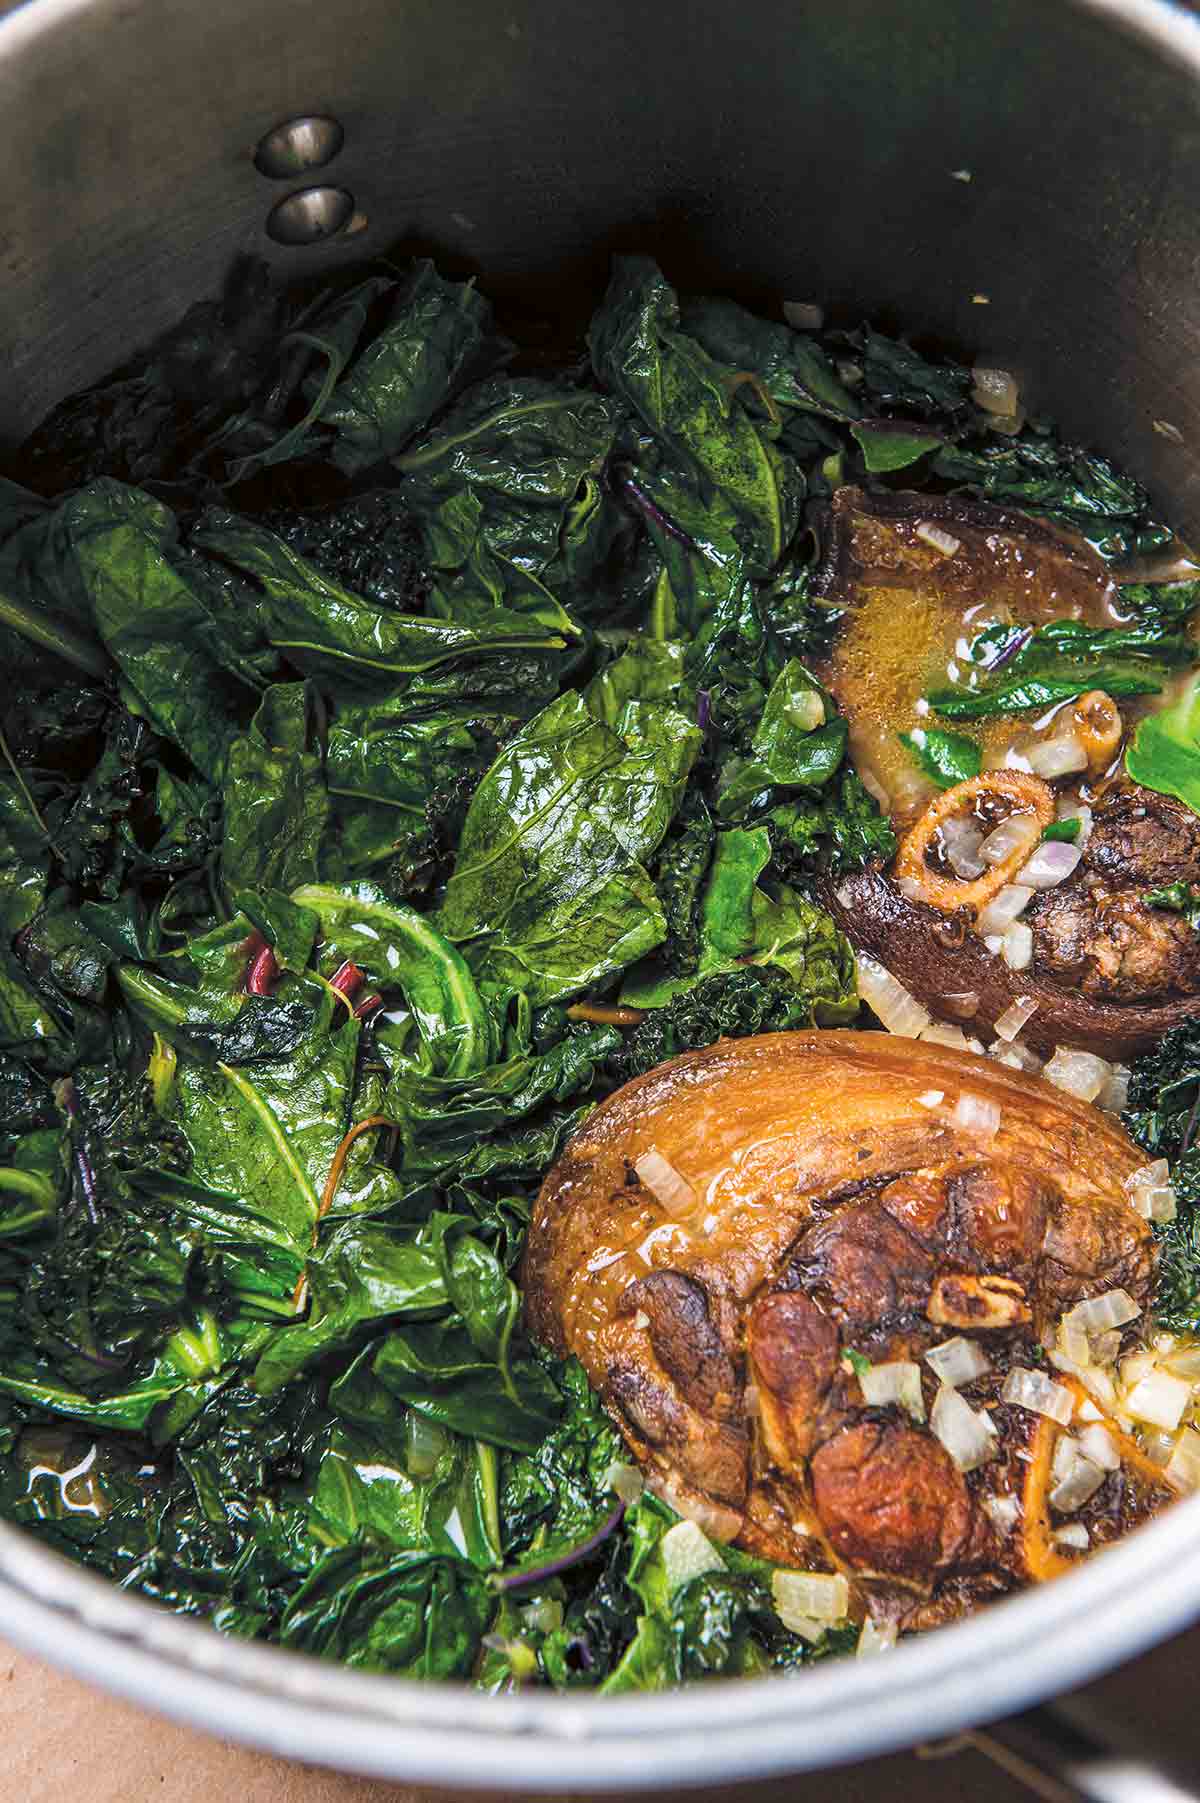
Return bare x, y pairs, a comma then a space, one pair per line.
1017, 179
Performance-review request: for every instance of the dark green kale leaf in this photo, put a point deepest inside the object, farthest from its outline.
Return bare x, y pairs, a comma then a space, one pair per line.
841, 832
679, 872
898, 378
1163, 1115
1050, 477
369, 543
729, 1005
1178, 898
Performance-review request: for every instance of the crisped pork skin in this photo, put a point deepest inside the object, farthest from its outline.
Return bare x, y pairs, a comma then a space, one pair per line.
841, 1208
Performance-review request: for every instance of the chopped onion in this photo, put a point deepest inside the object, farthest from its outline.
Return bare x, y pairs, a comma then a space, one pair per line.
1097, 1444
1183, 1467
1077, 1484
1051, 864
975, 1114
966, 1433
1015, 1016
876, 1637
1003, 1511
545, 1616
1115, 1308
714, 1519
804, 316
994, 943
938, 1033
1034, 1390
822, 1595
1087, 1411
1098, 1383
1150, 1191
1063, 755
897, 1381
1184, 1362
1074, 1535
625, 1480
898, 1011
958, 1361
1017, 1057
874, 787
961, 839
995, 390
1157, 1446
1016, 948
1159, 1399
668, 1188
1003, 908
936, 536
1074, 1342
1069, 807
1137, 1366
1114, 1097
687, 1554
911, 888
929, 1098
806, 1627
1080, 1074
1013, 834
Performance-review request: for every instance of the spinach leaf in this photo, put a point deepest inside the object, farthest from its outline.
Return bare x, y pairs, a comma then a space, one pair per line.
948, 757
25, 1022
277, 809
1178, 898
549, 892
415, 1614
793, 369
1061, 660
891, 445
695, 406
899, 378
1164, 752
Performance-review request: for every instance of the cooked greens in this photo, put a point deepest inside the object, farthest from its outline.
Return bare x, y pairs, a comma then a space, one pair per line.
390, 721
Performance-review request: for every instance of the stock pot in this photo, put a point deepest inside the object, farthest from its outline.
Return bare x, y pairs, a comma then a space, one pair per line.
1017, 180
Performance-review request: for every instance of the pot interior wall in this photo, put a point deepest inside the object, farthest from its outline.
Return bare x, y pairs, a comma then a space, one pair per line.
801, 150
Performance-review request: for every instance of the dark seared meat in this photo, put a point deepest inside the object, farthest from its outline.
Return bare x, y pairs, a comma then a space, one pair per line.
1113, 947
1144, 840
891, 1501
848, 1223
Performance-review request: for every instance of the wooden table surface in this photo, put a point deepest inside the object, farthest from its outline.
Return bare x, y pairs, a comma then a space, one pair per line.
61, 1740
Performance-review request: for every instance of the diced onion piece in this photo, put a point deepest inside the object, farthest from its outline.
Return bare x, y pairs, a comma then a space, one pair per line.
1087, 1411
1017, 1057
939, 1033
626, 1480
1098, 1445
1050, 865
961, 839
911, 888
1004, 908
958, 1361
966, 1433
995, 389
1184, 1361
1137, 1366
1080, 1074
804, 316
876, 1637
686, 1554
1003, 1511
1034, 1390
1077, 1483
1074, 1342
994, 943
1183, 1467
1015, 1016
822, 1595
1069, 807
669, 1189
938, 537
1114, 1097
975, 1114
1062, 755
1159, 1399
1150, 1191
1013, 834
1073, 1534
1016, 948
806, 1627
1099, 1384
1115, 1308
898, 1011
898, 1381
930, 1098
807, 711
713, 1519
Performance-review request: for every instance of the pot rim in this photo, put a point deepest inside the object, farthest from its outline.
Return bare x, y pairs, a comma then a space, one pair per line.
1040, 1642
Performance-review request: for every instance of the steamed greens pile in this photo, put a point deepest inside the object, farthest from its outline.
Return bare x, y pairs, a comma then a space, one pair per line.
387, 721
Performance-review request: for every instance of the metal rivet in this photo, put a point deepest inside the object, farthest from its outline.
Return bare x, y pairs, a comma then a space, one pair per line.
309, 215
308, 142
